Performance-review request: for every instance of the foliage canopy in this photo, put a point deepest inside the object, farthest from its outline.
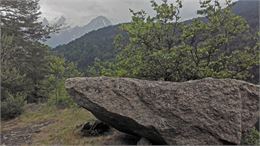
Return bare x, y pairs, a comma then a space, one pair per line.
219, 44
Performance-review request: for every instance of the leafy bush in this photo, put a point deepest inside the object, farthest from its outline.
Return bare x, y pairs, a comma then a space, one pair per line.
253, 138
12, 106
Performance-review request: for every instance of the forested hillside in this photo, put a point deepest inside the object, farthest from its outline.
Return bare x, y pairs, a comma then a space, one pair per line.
96, 44
99, 44
248, 9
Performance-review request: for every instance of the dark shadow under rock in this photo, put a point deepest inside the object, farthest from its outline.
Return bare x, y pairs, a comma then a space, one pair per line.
94, 129
111, 135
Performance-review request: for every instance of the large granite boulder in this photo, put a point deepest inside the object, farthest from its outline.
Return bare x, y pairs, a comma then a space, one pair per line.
207, 111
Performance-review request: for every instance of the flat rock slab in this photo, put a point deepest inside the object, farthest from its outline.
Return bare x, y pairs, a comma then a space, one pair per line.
207, 111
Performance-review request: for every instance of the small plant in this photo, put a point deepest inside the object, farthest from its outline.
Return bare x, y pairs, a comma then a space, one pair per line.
252, 138
64, 102
12, 106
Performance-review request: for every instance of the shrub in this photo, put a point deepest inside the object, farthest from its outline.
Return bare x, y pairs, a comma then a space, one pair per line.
63, 101
252, 138
12, 106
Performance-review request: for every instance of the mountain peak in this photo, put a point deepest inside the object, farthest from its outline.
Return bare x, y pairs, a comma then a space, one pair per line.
100, 21
70, 34
61, 20
45, 22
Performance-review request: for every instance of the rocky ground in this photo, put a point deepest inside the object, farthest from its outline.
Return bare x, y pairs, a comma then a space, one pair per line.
22, 135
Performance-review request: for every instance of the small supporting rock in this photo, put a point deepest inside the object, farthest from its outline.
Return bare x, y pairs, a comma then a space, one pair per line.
144, 141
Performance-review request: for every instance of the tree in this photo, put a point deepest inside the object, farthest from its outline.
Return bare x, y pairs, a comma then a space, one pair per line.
36, 67
148, 37
12, 82
217, 45
25, 55
60, 70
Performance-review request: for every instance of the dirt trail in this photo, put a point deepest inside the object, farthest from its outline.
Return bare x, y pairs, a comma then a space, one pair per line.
22, 135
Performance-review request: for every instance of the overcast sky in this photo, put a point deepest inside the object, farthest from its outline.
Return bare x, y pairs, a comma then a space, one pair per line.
80, 12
